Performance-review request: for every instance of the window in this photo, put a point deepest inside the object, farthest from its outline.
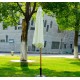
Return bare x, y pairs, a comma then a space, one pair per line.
64, 46
31, 22
29, 48
45, 23
6, 38
32, 28
33, 48
55, 45
11, 40
45, 43
47, 28
37, 50
71, 46
15, 27
2, 40
61, 44
51, 24
19, 28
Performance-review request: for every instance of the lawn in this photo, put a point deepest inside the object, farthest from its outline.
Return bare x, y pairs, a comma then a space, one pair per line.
52, 67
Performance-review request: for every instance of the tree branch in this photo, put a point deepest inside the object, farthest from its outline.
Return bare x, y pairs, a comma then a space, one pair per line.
33, 11
27, 11
20, 8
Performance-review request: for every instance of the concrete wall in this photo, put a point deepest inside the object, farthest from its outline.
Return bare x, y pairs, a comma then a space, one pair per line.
67, 38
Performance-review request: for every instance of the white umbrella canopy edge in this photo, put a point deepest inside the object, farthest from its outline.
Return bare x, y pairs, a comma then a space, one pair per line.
38, 38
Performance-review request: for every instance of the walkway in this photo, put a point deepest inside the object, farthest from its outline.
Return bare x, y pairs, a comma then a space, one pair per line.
44, 55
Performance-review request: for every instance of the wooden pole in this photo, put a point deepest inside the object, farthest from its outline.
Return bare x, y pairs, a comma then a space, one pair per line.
40, 62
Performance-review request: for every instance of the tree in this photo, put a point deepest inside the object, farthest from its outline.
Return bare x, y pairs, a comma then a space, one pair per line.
27, 16
68, 17
10, 13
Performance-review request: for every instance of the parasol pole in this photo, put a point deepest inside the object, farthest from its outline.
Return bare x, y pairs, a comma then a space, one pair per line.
40, 62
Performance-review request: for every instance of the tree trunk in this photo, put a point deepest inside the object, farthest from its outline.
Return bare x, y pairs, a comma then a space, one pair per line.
28, 14
76, 45
24, 41
76, 31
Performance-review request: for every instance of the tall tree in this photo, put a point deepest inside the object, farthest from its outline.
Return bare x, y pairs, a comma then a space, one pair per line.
68, 17
25, 24
10, 13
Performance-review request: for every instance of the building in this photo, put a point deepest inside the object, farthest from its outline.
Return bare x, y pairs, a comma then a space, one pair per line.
55, 41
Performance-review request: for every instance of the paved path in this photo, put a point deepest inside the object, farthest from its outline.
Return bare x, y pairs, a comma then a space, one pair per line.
44, 55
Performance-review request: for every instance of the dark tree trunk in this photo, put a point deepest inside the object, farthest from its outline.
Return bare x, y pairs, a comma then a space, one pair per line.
24, 40
76, 31
24, 37
76, 45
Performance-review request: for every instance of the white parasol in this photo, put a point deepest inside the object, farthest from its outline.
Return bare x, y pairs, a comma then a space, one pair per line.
38, 40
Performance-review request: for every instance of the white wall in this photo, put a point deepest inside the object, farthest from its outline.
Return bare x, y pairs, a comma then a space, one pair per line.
52, 35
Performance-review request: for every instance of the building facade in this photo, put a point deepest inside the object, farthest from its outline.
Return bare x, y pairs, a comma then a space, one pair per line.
55, 41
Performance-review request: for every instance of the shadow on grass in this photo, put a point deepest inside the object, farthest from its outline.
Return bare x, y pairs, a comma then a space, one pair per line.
23, 70
53, 73
29, 72
26, 72
76, 63
24, 67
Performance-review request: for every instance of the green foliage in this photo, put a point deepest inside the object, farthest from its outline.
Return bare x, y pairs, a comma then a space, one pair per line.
9, 13
67, 13
34, 15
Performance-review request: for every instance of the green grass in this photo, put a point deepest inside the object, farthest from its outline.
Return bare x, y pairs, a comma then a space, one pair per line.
51, 67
